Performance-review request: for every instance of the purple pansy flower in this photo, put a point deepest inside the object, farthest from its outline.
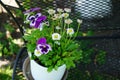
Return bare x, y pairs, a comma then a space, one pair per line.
31, 10
42, 46
36, 20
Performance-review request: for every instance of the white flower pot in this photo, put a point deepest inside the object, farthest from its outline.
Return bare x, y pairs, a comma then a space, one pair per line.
40, 73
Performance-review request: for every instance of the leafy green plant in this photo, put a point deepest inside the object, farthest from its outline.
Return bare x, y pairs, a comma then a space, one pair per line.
53, 42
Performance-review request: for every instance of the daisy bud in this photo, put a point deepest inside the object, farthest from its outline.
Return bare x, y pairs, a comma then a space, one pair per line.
79, 21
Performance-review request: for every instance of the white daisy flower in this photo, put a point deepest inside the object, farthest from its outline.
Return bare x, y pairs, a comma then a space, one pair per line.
56, 36
59, 10
67, 9
65, 15
68, 21
51, 11
37, 53
79, 21
70, 31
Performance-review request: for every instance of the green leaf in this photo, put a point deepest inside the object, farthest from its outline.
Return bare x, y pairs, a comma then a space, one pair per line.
31, 47
60, 62
56, 67
47, 63
5, 50
50, 69
65, 53
72, 46
90, 33
69, 64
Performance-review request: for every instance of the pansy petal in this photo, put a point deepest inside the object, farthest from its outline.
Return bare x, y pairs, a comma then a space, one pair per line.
39, 20
31, 18
41, 26
34, 9
32, 23
37, 23
31, 10
41, 41
38, 15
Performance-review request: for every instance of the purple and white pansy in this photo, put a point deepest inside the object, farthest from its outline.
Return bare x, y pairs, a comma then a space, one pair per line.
42, 46
35, 21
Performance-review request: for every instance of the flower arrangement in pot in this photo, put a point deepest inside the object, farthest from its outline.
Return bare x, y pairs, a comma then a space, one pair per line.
51, 43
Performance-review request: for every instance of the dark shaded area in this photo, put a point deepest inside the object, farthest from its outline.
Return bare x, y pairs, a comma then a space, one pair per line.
4, 77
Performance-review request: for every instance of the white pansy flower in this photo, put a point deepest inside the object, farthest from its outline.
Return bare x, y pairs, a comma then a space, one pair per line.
37, 53
70, 31
56, 36
68, 21
51, 11
57, 27
65, 15
79, 21
59, 10
67, 9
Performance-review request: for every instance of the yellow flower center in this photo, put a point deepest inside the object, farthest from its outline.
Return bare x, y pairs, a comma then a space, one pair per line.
44, 46
38, 52
56, 36
70, 30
